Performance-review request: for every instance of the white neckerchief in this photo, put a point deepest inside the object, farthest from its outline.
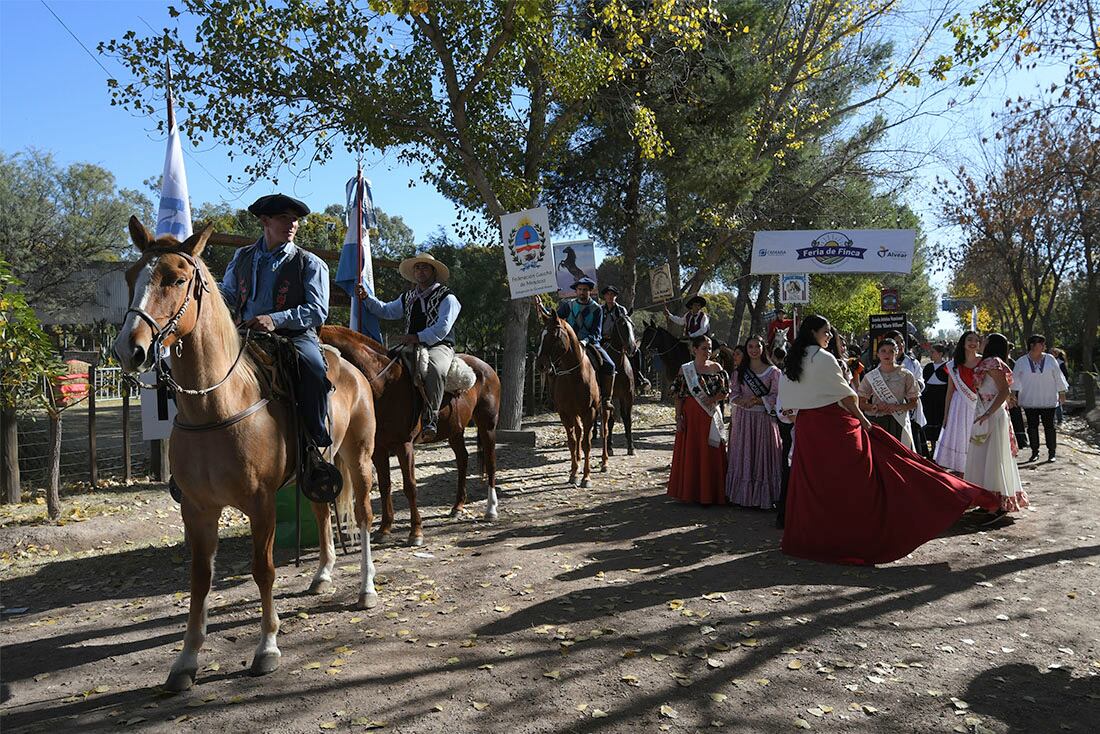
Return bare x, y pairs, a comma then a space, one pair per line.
691, 376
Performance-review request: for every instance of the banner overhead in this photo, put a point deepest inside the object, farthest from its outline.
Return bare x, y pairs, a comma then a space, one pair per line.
528, 256
833, 251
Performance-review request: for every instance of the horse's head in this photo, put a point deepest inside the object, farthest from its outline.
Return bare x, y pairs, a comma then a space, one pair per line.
163, 283
557, 339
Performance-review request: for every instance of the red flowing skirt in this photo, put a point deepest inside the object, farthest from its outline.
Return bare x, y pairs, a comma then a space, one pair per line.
861, 497
698, 469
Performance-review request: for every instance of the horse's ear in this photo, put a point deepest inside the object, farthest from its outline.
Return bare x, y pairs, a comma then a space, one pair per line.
139, 235
196, 243
549, 317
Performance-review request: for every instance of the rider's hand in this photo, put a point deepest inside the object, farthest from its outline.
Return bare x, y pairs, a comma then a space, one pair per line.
410, 340
260, 323
361, 293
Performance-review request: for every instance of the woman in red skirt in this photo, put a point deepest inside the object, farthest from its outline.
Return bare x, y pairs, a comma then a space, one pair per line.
699, 455
856, 495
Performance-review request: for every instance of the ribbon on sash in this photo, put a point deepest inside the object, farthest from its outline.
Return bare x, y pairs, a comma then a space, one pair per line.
883, 394
960, 384
691, 376
757, 386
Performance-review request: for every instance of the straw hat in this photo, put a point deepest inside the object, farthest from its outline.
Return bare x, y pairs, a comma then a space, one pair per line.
406, 267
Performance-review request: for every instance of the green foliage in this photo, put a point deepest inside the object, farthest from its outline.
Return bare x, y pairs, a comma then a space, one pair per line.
26, 353
54, 220
846, 300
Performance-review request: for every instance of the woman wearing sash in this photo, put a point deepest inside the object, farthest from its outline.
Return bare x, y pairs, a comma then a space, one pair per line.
855, 494
754, 473
958, 416
888, 393
990, 463
699, 455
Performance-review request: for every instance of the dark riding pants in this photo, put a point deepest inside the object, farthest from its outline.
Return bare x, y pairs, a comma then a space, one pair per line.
312, 389
606, 366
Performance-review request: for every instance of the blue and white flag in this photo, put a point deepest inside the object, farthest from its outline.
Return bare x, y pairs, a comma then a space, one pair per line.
356, 266
174, 215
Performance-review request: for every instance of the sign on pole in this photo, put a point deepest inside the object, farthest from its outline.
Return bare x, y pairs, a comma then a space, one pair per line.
528, 256
833, 251
575, 259
882, 323
890, 300
660, 284
794, 288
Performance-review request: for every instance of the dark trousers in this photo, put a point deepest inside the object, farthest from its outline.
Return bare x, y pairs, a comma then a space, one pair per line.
1016, 416
312, 389
1046, 415
606, 366
785, 436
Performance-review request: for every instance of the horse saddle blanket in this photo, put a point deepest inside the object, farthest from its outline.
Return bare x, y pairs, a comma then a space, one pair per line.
460, 377
276, 362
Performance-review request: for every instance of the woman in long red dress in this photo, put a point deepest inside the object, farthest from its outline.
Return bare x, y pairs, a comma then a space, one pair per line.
699, 454
856, 495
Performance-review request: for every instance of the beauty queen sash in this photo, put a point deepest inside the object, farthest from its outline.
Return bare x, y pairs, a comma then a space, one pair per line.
691, 376
884, 394
960, 384
757, 386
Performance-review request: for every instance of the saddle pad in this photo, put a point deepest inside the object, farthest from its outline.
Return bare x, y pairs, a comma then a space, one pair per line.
460, 377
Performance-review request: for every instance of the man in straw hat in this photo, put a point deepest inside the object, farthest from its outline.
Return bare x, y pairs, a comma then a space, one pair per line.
430, 310
276, 286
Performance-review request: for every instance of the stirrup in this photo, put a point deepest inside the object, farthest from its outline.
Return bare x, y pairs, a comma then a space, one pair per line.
321, 481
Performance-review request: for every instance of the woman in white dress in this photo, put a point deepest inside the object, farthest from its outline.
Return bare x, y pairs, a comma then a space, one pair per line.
962, 394
990, 462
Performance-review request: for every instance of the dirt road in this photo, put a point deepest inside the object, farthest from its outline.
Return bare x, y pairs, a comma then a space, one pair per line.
599, 610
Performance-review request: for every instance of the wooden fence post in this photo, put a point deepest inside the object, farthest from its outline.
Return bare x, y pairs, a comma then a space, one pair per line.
93, 473
127, 474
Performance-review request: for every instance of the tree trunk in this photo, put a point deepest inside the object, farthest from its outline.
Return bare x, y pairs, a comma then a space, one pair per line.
631, 235
744, 284
757, 327
10, 488
53, 468
1092, 322
515, 364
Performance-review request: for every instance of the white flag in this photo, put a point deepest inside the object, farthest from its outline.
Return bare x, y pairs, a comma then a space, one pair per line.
174, 216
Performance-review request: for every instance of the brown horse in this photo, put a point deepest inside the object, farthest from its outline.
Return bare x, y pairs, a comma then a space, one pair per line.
576, 392
623, 393
396, 402
232, 445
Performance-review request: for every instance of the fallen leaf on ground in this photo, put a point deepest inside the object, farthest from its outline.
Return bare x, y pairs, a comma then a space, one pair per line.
795, 664
718, 697
800, 723
552, 674
480, 705
669, 713
599, 714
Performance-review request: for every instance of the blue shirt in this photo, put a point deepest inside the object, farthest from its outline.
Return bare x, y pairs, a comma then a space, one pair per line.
432, 333
265, 269
585, 318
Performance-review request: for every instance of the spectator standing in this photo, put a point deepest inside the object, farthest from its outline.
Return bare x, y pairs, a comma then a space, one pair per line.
699, 454
935, 394
753, 474
1040, 388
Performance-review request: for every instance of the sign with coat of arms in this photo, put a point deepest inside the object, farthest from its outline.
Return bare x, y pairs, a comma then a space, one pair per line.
528, 255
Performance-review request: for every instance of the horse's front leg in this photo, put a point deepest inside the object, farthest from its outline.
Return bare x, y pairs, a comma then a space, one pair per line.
604, 417
202, 534
586, 447
573, 438
462, 463
322, 580
262, 519
610, 413
361, 482
408, 485
626, 411
381, 461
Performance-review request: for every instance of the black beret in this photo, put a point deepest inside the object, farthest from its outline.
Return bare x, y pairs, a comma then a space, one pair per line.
611, 288
274, 204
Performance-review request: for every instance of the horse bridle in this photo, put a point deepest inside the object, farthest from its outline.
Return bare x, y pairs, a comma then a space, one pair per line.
653, 341
558, 372
161, 333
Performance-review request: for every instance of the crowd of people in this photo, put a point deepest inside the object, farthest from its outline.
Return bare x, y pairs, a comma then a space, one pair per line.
864, 457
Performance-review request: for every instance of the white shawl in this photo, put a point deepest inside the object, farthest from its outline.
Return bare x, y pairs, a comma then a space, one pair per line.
691, 376
820, 384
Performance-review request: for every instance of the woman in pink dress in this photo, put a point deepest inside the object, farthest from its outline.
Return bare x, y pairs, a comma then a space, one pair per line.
754, 474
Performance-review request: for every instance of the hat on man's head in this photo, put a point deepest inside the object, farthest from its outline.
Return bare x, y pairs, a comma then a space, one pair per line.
442, 273
275, 204
696, 299
584, 281
609, 289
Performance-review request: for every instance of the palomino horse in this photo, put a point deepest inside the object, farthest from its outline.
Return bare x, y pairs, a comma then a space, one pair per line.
576, 392
623, 394
396, 405
232, 446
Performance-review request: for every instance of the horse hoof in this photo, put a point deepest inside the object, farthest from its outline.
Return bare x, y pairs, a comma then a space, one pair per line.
456, 510
179, 681
584, 483
630, 451
490, 514
265, 663
380, 538
416, 540
603, 468
320, 586
610, 451
367, 601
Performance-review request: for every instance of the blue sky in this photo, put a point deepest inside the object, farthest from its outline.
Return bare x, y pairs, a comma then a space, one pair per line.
53, 96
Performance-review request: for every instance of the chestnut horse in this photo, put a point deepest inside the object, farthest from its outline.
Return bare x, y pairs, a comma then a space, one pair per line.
396, 404
623, 394
575, 390
232, 445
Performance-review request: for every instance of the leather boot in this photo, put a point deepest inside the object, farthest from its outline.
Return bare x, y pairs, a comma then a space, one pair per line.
607, 388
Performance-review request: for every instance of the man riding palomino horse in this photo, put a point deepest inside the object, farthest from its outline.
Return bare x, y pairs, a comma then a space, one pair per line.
275, 286
615, 313
585, 316
430, 310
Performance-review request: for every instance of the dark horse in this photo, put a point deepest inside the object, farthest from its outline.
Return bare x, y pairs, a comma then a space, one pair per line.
675, 352
623, 393
570, 263
397, 407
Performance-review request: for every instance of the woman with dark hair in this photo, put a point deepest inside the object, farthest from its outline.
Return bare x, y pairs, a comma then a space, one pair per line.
935, 393
856, 495
699, 456
958, 415
990, 463
753, 473
889, 393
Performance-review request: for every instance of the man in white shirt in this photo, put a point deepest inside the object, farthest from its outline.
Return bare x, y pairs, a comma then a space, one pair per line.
1039, 387
695, 321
